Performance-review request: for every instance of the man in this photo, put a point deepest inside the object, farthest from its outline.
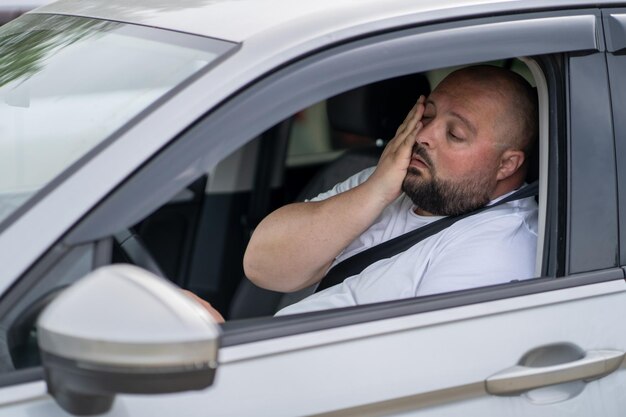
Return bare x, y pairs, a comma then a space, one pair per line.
463, 147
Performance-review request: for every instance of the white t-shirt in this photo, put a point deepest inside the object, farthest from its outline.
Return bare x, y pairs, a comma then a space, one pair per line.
491, 247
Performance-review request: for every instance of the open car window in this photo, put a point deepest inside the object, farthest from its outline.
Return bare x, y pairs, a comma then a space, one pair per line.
197, 238
219, 178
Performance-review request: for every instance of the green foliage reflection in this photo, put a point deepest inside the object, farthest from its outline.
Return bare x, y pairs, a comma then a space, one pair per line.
28, 41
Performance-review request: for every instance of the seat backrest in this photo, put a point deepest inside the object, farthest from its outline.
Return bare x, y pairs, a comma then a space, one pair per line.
533, 165
376, 110
372, 112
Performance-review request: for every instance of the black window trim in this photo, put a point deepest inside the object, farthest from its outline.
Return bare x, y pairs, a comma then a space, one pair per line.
591, 166
614, 20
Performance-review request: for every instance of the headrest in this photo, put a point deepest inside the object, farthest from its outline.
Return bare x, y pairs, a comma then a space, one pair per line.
376, 110
533, 164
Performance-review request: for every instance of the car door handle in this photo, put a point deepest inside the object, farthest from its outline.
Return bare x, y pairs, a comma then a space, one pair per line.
517, 379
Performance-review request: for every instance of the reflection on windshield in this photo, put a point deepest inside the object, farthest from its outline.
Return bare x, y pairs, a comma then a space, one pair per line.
23, 52
129, 8
68, 83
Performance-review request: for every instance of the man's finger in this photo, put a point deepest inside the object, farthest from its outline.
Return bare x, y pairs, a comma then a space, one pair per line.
420, 107
411, 138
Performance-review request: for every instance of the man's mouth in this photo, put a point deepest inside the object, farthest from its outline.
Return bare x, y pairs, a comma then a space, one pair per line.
418, 162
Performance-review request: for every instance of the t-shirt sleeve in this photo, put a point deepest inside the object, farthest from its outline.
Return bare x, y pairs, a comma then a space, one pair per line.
351, 182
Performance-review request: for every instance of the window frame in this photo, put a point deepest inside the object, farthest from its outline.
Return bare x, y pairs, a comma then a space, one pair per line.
615, 26
592, 171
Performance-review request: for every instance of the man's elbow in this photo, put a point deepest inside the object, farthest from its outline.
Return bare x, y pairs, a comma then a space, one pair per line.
252, 270
260, 273
272, 277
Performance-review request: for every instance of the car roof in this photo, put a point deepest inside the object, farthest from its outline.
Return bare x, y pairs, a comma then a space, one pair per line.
239, 20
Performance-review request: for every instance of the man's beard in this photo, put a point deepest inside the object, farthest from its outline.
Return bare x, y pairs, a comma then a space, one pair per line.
444, 197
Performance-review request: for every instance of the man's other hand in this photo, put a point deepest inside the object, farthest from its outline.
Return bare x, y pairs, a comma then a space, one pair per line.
208, 307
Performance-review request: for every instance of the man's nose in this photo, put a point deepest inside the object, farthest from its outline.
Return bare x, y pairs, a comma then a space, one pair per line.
426, 136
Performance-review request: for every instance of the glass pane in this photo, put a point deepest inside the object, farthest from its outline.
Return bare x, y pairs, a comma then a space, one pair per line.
68, 83
18, 332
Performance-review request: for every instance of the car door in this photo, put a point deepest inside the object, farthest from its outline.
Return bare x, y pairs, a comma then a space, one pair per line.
488, 351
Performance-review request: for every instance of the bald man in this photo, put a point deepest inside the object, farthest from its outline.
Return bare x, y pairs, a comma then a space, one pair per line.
463, 147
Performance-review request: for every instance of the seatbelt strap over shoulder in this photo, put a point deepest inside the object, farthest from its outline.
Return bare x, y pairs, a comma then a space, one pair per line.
357, 263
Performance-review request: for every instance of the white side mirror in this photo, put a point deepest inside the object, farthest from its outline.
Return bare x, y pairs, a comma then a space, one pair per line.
122, 329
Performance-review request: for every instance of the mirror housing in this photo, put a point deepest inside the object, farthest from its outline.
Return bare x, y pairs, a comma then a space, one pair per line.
122, 329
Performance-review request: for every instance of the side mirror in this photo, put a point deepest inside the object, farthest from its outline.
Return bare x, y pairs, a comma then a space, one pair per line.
122, 329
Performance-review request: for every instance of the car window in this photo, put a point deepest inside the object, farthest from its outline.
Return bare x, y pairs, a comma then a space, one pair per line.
56, 82
18, 332
320, 134
198, 238
312, 138
229, 216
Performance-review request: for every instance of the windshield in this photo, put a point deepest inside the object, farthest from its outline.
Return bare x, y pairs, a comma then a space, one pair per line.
68, 83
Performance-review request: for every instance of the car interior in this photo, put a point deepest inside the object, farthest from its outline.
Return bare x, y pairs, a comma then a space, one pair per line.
197, 240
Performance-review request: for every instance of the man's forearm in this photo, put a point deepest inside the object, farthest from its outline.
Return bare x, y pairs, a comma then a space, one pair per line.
293, 247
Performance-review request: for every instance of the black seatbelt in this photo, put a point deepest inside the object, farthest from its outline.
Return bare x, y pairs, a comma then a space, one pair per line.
357, 263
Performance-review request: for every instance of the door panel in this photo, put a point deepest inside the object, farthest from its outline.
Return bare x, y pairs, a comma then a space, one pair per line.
435, 363
432, 364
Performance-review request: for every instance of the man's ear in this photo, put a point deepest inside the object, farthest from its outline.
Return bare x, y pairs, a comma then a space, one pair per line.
510, 162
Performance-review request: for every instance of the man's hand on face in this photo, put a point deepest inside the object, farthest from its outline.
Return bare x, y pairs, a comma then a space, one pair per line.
386, 181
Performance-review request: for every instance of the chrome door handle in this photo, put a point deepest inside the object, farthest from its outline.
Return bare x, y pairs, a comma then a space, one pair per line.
517, 379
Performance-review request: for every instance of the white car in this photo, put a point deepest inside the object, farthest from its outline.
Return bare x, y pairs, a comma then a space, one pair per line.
158, 134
